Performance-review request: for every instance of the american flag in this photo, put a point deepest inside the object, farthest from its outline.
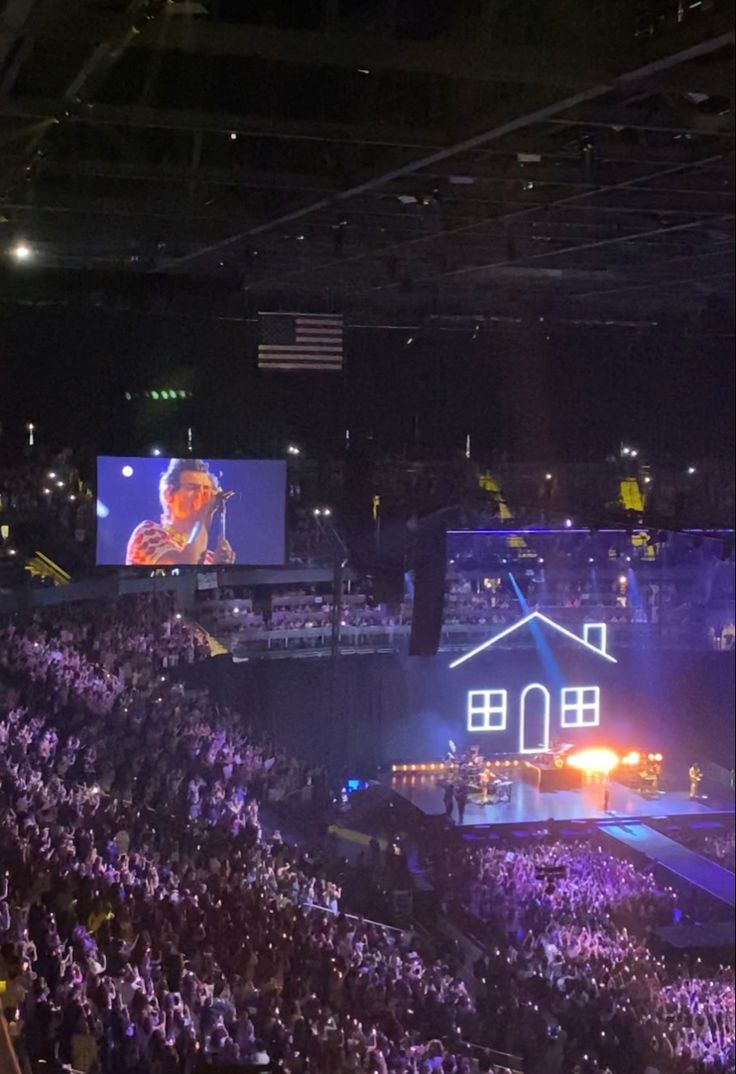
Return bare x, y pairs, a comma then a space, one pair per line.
300, 341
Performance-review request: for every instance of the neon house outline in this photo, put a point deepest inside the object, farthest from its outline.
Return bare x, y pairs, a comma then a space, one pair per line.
576, 707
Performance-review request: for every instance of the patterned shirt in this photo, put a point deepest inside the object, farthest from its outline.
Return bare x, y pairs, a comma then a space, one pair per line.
151, 542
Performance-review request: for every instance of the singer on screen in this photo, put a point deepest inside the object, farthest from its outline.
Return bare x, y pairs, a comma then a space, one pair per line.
191, 499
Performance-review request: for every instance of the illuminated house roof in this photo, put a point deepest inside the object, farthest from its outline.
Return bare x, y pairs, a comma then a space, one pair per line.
583, 642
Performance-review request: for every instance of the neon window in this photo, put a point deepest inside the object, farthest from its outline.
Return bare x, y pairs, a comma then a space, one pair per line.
487, 710
581, 706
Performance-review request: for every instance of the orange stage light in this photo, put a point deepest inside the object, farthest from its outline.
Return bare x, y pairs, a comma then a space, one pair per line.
599, 761
632, 758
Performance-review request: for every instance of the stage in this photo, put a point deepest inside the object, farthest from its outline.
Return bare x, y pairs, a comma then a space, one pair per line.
529, 805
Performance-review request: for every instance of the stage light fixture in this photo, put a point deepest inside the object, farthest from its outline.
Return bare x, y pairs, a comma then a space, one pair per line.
127, 471
597, 761
548, 477
156, 452
21, 251
691, 470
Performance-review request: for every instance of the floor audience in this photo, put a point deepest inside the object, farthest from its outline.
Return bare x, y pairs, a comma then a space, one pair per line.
151, 920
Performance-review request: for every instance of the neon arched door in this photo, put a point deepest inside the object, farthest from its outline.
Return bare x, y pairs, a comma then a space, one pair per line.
534, 719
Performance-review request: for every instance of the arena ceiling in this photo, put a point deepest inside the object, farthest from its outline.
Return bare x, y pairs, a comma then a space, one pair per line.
396, 160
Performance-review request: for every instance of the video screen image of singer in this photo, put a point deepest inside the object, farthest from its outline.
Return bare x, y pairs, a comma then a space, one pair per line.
161, 512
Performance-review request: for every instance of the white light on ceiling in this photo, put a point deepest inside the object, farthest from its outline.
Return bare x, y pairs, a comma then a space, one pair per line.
21, 251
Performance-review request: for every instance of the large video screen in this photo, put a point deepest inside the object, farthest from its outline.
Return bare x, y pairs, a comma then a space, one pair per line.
160, 512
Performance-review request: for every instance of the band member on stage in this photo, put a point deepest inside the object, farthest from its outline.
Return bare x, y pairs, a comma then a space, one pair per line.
696, 775
606, 792
448, 798
461, 800
190, 498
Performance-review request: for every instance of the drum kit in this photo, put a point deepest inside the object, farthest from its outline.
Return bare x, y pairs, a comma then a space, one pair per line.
469, 770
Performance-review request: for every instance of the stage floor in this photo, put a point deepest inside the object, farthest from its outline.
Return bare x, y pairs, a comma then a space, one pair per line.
528, 805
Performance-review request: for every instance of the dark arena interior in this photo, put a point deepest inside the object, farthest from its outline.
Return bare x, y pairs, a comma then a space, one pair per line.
367, 613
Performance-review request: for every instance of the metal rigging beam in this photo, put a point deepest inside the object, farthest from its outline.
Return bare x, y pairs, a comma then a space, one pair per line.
479, 141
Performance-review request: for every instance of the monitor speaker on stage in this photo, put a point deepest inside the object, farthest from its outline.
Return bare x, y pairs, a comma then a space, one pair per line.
430, 558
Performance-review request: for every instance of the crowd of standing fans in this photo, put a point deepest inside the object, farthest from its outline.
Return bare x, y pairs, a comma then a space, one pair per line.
569, 931
150, 919
147, 921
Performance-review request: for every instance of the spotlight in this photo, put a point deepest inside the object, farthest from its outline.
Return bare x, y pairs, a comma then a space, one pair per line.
647, 480
568, 523
51, 475
326, 511
127, 471
21, 251
691, 470
540, 560
548, 477
622, 579
156, 451
597, 760
633, 453
233, 136
591, 560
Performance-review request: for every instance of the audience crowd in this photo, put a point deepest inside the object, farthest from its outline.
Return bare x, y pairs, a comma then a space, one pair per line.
569, 933
147, 921
152, 920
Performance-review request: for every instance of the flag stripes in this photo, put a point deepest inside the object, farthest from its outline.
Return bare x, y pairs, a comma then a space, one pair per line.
297, 341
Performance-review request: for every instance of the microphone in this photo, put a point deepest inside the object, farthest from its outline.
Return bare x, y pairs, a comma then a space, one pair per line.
196, 530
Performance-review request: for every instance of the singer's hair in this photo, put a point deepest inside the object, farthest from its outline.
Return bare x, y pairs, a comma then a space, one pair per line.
171, 477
